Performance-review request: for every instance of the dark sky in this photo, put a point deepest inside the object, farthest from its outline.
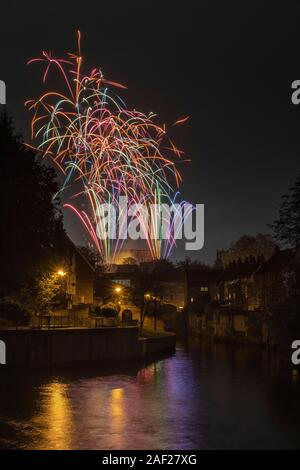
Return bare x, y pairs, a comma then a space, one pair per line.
229, 65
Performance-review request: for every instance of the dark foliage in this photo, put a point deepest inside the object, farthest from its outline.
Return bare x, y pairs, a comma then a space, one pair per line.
13, 313
31, 222
91, 254
108, 312
287, 227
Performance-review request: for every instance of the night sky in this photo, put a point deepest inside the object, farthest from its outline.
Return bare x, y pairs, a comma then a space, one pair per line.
229, 65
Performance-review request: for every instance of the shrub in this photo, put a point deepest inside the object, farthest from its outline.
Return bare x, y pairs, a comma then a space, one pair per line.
12, 312
108, 312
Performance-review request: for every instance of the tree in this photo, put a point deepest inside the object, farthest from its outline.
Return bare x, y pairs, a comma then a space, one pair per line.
48, 289
107, 311
12, 312
32, 222
138, 294
287, 227
91, 254
146, 291
163, 268
245, 248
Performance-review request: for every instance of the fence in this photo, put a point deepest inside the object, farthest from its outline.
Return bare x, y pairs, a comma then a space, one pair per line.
55, 321
73, 321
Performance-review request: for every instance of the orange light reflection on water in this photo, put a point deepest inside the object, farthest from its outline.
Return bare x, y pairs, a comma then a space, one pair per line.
55, 418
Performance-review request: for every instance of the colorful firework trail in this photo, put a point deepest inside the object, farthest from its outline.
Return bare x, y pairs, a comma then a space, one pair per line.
104, 148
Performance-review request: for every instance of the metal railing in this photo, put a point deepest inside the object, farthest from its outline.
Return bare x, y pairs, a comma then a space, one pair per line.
73, 321
39, 322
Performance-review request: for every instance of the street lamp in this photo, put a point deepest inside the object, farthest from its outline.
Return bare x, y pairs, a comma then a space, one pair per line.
63, 288
118, 291
61, 273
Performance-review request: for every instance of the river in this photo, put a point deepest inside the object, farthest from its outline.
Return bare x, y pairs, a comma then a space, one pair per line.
206, 396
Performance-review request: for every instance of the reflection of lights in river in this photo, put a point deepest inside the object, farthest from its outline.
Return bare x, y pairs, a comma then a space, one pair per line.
149, 373
117, 409
57, 418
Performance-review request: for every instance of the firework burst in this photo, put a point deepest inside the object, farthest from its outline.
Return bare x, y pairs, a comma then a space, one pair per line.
103, 148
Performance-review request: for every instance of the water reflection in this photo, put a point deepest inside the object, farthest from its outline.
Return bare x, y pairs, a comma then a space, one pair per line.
206, 396
54, 417
117, 408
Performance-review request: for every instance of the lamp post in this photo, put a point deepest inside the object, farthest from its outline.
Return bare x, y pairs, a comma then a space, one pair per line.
152, 298
147, 298
118, 291
62, 274
63, 289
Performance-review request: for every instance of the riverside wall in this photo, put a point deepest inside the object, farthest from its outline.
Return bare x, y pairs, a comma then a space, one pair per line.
38, 348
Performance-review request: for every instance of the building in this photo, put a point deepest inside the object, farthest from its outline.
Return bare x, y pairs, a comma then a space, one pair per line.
273, 281
78, 275
238, 300
134, 256
197, 285
255, 284
231, 285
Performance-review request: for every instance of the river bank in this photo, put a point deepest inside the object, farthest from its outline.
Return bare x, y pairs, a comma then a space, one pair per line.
38, 348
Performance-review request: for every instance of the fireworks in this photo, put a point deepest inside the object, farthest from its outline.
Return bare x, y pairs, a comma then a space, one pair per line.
104, 150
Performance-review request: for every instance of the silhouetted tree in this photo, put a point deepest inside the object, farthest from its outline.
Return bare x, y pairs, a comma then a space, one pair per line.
91, 254
287, 227
138, 292
163, 268
245, 248
31, 221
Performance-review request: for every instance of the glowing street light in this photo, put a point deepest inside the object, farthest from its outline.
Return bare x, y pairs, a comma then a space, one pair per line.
61, 273
118, 290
